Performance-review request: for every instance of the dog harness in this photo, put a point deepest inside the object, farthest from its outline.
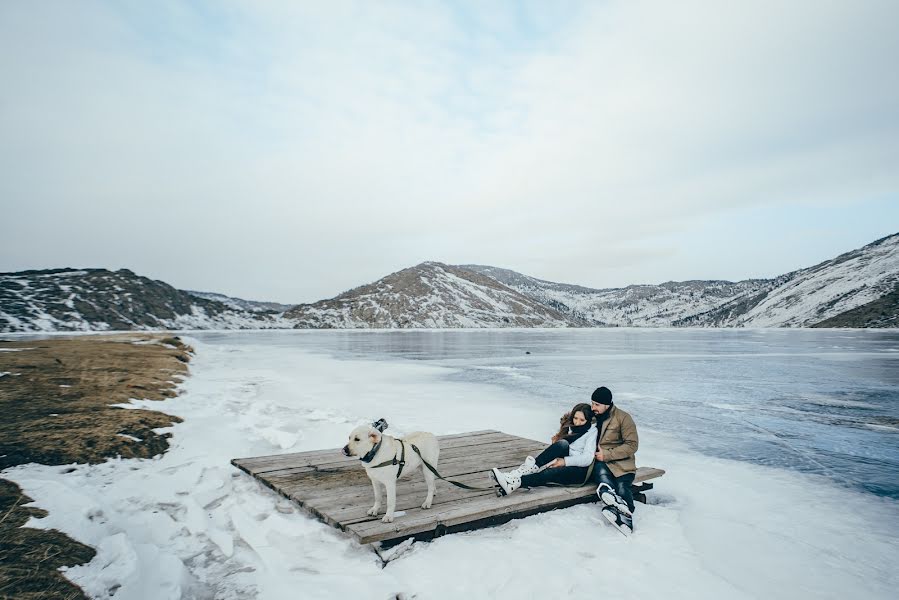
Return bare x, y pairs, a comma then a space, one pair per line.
402, 463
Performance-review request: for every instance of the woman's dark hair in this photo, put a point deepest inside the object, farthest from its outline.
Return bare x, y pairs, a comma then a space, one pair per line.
566, 429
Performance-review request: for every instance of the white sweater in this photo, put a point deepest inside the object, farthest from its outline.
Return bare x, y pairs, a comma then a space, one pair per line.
581, 451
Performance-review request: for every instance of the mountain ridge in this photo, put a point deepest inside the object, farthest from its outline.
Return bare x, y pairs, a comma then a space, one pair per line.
859, 284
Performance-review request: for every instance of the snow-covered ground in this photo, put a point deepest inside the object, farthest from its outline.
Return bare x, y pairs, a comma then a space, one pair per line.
189, 525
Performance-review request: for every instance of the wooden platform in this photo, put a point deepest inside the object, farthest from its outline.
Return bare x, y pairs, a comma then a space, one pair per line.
335, 488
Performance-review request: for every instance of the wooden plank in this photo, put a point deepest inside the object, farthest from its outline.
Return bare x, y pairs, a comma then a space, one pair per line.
647, 473
487, 455
447, 441
336, 489
409, 495
264, 464
475, 509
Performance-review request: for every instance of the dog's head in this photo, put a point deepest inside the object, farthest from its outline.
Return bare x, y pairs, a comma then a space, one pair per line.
362, 439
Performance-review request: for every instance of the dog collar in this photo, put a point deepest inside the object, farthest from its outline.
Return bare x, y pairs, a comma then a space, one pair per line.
371, 453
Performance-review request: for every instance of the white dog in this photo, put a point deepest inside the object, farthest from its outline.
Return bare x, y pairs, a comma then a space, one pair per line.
377, 452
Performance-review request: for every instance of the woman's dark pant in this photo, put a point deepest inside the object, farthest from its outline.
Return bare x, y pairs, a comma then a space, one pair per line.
563, 475
557, 450
621, 485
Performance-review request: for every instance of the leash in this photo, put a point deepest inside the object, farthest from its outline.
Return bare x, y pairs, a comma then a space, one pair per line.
458, 484
402, 463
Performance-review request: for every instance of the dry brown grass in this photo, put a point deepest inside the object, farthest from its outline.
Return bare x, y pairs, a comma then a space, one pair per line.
56, 410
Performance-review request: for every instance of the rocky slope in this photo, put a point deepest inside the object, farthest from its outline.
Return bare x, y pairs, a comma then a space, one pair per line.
883, 312
255, 306
809, 296
430, 295
101, 300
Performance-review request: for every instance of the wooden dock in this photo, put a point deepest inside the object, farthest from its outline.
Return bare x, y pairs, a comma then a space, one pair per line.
336, 489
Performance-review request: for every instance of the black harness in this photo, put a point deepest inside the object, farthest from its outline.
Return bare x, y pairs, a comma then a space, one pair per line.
393, 461
370, 455
401, 461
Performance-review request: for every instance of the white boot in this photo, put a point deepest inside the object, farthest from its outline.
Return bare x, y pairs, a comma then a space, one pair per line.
507, 482
528, 467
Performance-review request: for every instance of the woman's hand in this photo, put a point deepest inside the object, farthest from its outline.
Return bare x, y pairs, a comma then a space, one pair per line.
599, 455
555, 438
555, 464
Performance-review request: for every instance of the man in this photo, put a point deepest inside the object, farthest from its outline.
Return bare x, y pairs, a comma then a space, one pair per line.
615, 466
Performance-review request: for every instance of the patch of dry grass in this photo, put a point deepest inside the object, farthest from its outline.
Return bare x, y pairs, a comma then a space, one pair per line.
55, 401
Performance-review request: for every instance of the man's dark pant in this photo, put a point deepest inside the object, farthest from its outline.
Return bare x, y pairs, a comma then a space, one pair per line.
621, 485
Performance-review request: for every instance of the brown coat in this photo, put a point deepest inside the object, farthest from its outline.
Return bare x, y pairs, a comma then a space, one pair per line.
618, 440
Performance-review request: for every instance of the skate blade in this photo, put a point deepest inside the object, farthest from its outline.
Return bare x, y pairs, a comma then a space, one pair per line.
613, 521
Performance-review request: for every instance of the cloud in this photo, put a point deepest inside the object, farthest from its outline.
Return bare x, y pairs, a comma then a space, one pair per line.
294, 150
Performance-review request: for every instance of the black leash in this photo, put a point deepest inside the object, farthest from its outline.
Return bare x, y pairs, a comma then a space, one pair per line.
458, 484
402, 463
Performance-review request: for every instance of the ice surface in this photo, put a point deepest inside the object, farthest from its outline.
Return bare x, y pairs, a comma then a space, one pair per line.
188, 525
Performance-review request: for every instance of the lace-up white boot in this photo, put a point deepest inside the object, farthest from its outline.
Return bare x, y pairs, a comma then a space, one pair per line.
507, 482
528, 467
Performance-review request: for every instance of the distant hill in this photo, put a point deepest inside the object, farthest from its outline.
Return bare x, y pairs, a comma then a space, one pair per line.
429, 295
256, 306
633, 306
101, 300
802, 298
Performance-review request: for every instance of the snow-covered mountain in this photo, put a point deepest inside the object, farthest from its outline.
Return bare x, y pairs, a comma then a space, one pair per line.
255, 306
808, 296
101, 300
802, 298
428, 295
632, 306
856, 289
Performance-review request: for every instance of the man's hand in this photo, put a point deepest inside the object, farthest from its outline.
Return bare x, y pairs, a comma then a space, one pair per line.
559, 462
599, 455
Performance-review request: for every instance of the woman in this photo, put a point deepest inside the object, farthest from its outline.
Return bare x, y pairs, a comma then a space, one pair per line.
565, 461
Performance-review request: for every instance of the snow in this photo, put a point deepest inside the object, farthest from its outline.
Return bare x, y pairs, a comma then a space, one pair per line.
188, 525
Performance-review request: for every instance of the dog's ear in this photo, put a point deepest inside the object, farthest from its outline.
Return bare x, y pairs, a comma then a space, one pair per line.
374, 435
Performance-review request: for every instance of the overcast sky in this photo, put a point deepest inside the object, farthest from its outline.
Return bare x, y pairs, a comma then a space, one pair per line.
291, 150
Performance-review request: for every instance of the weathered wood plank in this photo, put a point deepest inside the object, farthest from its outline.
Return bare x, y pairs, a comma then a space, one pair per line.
259, 463
336, 489
449, 463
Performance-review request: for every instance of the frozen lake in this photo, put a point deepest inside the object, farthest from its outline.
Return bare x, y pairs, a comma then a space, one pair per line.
779, 446
816, 401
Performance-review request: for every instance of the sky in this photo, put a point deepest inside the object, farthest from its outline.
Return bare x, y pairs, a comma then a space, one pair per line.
289, 151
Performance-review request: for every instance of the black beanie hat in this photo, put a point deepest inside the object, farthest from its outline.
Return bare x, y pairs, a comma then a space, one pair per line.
602, 395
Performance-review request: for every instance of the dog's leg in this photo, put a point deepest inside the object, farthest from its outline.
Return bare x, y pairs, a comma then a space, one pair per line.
391, 501
429, 479
374, 509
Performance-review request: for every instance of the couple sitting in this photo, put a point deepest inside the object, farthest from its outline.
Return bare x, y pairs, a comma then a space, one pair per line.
581, 453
